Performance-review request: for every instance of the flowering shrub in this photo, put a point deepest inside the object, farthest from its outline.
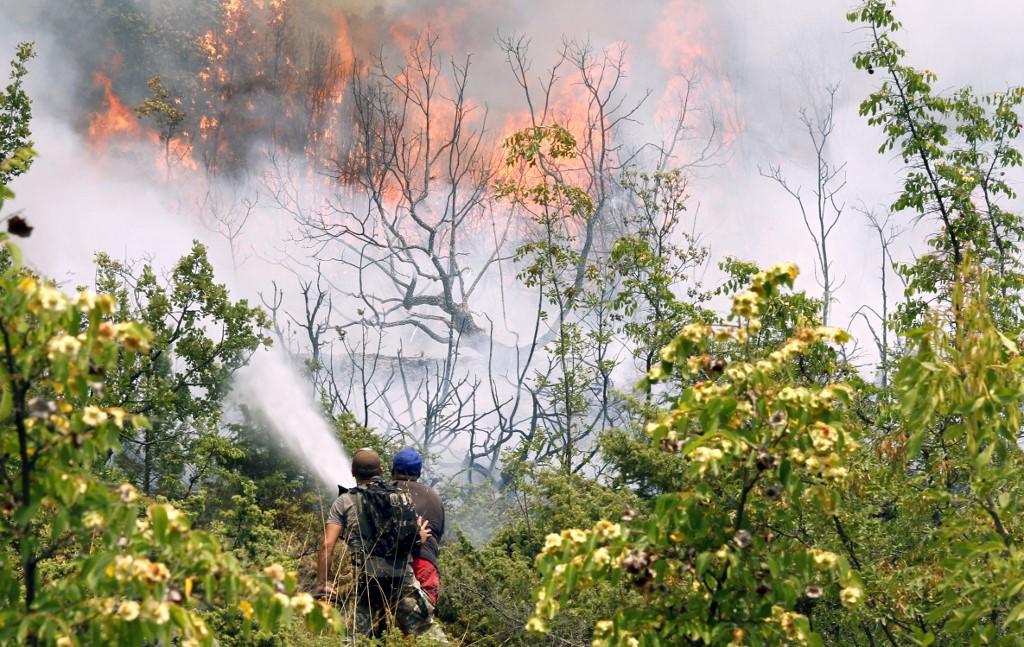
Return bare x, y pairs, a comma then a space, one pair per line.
82, 562
711, 561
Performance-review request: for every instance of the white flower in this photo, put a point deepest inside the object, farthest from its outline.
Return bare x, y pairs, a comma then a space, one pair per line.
823, 437
63, 345
850, 596
158, 612
106, 331
745, 304
173, 514
86, 300
575, 535
120, 568
118, 414
128, 611
52, 299
836, 473
129, 334
157, 572
705, 454
127, 492
94, 416
824, 558
552, 543
607, 530
303, 603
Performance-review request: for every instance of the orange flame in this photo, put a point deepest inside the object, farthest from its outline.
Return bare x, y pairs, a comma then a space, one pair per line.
684, 41
116, 120
179, 153
442, 23
245, 65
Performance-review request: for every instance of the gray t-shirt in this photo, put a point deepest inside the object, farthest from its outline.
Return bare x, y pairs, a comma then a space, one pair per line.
345, 513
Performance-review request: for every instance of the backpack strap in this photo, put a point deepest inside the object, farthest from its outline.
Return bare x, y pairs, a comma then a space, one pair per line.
357, 539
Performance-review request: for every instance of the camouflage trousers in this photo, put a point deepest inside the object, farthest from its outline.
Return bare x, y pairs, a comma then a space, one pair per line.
382, 602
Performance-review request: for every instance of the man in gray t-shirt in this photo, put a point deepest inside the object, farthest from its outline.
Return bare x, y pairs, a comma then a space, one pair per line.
383, 589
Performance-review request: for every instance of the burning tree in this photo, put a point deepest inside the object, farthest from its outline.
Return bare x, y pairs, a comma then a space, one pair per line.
163, 111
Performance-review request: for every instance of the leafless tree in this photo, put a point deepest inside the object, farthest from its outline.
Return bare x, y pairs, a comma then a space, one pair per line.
397, 243
529, 385
223, 211
421, 178
413, 256
704, 141
877, 320
606, 111
823, 215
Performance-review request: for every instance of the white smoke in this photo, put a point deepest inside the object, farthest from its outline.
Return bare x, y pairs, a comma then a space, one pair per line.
272, 387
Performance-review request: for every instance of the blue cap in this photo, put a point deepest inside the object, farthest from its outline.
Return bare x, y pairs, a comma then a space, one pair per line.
407, 461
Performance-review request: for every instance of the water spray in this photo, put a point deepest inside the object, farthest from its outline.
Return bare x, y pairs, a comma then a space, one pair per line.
271, 386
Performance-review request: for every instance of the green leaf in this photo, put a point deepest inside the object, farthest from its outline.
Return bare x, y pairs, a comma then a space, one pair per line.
785, 469
703, 562
6, 400
914, 444
58, 524
1015, 615
159, 519
94, 567
15, 252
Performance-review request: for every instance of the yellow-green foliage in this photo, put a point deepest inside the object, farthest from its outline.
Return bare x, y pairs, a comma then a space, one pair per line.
82, 562
758, 450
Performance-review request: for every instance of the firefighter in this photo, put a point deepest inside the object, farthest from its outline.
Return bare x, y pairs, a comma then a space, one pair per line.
380, 531
405, 472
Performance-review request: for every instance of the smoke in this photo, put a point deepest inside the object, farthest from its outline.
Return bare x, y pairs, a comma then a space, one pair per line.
270, 386
758, 65
82, 218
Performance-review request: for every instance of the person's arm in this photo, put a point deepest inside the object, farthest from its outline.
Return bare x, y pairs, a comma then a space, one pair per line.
331, 534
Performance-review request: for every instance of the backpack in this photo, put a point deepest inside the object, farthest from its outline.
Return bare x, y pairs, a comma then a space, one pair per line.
387, 521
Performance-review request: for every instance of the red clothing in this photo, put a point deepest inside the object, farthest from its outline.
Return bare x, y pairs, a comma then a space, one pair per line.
428, 577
